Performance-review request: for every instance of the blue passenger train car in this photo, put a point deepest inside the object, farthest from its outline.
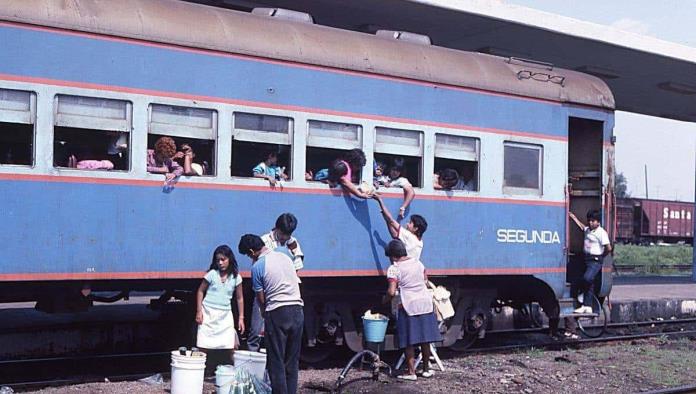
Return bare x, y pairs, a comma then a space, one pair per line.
84, 80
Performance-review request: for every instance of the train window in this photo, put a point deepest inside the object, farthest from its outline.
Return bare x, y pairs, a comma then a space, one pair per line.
327, 141
91, 133
192, 129
258, 137
456, 162
522, 172
17, 117
400, 147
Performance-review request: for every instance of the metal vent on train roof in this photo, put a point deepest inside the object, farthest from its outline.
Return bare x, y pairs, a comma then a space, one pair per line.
404, 36
282, 13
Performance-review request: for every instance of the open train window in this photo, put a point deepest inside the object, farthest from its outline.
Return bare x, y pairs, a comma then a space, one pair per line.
91, 133
401, 148
522, 172
456, 162
261, 144
192, 129
328, 141
17, 118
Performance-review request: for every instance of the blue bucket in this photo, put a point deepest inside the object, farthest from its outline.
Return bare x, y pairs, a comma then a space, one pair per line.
374, 329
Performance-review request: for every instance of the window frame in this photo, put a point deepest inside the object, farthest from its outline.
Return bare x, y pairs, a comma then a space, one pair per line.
391, 149
333, 143
76, 121
456, 155
92, 124
264, 137
516, 190
186, 131
11, 116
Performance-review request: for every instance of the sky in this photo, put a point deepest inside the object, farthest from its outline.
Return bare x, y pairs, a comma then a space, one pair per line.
670, 162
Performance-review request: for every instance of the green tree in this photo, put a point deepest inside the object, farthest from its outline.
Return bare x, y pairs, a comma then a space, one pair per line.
620, 186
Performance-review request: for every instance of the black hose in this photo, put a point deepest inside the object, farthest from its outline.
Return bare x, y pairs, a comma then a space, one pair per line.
376, 362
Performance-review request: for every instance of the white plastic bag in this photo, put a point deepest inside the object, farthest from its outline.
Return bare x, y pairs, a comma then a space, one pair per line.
441, 301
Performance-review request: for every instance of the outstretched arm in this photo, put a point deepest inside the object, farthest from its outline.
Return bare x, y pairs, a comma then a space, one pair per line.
409, 195
352, 189
577, 221
392, 225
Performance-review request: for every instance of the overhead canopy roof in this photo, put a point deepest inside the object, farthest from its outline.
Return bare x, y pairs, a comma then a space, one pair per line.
647, 75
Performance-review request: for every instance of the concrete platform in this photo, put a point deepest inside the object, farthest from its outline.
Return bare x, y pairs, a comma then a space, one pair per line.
645, 302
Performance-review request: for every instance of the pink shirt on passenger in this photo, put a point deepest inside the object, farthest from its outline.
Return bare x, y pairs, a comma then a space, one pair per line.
95, 165
349, 175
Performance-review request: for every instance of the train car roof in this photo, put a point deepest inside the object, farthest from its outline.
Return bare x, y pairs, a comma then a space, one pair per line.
198, 26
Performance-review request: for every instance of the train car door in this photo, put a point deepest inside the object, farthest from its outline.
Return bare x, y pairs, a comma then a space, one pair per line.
586, 192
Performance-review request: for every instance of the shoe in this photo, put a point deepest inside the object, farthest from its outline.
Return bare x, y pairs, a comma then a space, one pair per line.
412, 378
427, 374
570, 335
583, 310
311, 343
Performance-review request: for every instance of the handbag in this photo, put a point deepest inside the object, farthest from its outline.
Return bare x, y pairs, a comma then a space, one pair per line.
441, 301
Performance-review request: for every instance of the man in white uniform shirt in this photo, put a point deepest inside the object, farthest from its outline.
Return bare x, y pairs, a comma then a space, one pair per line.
596, 246
280, 236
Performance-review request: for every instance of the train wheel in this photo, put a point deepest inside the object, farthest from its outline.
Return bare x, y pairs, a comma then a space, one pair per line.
475, 322
594, 326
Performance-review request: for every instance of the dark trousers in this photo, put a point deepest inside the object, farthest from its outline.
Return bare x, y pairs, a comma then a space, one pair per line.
593, 266
283, 339
256, 328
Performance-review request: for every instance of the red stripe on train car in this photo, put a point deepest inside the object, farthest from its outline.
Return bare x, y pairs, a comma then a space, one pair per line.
260, 188
304, 274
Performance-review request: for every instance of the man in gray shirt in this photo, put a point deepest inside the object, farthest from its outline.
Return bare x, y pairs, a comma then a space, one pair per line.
277, 290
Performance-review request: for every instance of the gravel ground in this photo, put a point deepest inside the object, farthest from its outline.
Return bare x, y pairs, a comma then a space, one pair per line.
612, 368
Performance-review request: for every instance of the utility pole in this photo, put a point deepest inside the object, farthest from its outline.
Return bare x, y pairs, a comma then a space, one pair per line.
693, 243
646, 181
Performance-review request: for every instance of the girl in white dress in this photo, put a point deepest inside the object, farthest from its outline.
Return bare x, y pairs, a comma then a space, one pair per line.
214, 303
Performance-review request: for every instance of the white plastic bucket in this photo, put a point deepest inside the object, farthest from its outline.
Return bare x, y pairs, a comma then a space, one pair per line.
253, 362
224, 377
187, 372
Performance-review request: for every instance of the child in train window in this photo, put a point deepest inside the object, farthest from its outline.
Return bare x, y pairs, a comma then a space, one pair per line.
185, 158
270, 170
379, 176
161, 159
346, 171
397, 178
449, 179
214, 303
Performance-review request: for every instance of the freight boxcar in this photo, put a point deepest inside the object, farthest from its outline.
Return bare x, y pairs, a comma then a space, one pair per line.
642, 221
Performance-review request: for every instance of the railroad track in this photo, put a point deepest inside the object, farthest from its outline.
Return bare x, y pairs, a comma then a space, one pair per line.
61, 371
612, 327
